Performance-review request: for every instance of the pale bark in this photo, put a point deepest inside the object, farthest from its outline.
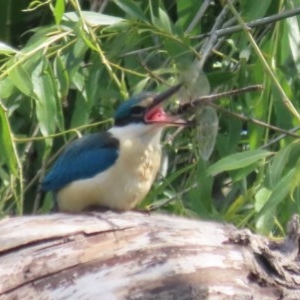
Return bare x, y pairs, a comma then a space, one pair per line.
138, 256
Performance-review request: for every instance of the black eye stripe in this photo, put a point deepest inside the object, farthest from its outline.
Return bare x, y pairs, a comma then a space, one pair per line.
135, 115
136, 110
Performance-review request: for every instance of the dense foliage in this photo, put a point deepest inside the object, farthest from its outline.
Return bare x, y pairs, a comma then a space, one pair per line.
66, 65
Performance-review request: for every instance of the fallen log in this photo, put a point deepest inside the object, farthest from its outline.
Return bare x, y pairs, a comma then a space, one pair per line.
138, 256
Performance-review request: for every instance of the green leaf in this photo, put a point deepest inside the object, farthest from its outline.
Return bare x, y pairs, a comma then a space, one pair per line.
237, 161
45, 95
62, 76
81, 111
131, 8
7, 88
281, 162
290, 40
165, 183
80, 115
296, 179
59, 10
61, 89
200, 197
42, 39
74, 58
250, 11
180, 52
93, 18
6, 49
265, 222
281, 190
261, 198
234, 208
21, 79
165, 21
6, 143
186, 11
92, 82
244, 172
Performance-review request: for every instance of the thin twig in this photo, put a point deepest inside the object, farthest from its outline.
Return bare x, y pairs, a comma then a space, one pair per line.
213, 38
278, 138
198, 16
260, 22
139, 51
209, 98
213, 97
155, 206
151, 73
76, 130
254, 121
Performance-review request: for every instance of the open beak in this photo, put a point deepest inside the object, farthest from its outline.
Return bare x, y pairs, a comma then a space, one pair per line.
155, 113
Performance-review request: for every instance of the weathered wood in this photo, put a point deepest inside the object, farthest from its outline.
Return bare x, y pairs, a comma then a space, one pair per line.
139, 256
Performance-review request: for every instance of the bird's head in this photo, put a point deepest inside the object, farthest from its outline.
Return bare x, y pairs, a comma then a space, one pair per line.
147, 109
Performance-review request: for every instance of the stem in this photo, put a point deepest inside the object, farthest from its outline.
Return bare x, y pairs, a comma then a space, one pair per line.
255, 121
76, 130
250, 88
198, 16
213, 38
260, 22
209, 98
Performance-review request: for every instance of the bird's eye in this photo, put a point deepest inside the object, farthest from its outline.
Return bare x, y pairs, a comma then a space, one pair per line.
137, 110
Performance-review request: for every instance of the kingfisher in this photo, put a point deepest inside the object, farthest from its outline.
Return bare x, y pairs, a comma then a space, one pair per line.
114, 169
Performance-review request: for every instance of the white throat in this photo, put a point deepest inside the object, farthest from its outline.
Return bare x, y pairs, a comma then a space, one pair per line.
142, 133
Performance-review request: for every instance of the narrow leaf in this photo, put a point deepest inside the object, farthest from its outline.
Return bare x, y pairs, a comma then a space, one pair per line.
6, 49
280, 191
21, 79
7, 88
280, 161
62, 76
6, 143
266, 214
261, 198
165, 21
59, 10
131, 8
294, 39
93, 18
237, 161
45, 95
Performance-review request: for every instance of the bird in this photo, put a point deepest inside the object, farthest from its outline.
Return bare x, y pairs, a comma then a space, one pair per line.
114, 169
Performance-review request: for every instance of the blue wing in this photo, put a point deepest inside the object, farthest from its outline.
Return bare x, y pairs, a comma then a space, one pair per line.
84, 158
